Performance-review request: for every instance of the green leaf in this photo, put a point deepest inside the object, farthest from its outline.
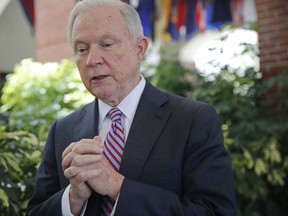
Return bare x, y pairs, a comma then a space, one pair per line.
36, 154
3, 162
260, 167
248, 158
10, 159
4, 198
276, 177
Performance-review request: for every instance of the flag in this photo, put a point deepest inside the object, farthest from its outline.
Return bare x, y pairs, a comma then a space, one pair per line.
28, 7
222, 11
146, 12
237, 7
210, 23
200, 15
249, 11
182, 9
191, 26
171, 29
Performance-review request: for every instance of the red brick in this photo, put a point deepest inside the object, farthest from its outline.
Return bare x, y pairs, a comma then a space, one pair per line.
273, 35
51, 36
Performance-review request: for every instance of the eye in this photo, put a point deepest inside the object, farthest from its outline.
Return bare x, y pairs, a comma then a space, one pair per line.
81, 49
107, 44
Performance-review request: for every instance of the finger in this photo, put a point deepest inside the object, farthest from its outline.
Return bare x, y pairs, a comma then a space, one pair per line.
87, 148
80, 190
98, 138
68, 149
66, 161
94, 141
85, 160
82, 174
72, 171
99, 141
88, 174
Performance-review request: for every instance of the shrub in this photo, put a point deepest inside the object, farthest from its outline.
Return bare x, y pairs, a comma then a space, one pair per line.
19, 157
36, 94
255, 137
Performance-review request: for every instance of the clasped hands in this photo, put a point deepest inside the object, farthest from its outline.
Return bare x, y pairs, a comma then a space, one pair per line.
88, 170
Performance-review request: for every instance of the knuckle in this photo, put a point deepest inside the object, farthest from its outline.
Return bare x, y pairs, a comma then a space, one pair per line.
81, 177
75, 148
68, 173
77, 160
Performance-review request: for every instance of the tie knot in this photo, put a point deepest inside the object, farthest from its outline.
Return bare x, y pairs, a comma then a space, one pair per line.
115, 114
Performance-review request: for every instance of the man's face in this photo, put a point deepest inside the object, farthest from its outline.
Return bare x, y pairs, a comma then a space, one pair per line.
107, 58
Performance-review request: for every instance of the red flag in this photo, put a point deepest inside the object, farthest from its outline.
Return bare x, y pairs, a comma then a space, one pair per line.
28, 7
237, 7
182, 11
200, 15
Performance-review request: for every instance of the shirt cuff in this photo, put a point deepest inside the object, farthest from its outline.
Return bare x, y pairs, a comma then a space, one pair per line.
114, 207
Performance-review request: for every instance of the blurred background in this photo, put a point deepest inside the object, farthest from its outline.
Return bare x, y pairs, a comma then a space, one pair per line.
232, 54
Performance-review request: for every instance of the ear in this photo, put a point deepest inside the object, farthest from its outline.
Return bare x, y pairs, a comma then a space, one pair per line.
142, 46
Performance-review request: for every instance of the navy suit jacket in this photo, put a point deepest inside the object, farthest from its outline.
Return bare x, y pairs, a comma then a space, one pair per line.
174, 161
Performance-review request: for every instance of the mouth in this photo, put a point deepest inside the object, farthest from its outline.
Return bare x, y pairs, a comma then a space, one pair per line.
96, 78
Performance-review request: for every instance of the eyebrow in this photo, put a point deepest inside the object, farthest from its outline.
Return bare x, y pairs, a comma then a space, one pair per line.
105, 36
76, 42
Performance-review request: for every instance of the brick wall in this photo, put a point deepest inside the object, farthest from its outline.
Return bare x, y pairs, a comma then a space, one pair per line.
273, 35
51, 37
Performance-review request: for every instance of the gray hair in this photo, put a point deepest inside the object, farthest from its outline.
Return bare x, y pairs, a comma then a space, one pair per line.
130, 15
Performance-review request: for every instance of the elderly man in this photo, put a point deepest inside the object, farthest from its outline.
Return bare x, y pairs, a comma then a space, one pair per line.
135, 150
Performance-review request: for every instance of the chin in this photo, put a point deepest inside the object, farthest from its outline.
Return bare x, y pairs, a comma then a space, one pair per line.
102, 95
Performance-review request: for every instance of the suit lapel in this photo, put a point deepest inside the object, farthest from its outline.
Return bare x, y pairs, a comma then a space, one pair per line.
87, 122
142, 136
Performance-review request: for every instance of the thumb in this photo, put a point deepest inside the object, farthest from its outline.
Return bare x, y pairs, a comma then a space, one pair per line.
99, 141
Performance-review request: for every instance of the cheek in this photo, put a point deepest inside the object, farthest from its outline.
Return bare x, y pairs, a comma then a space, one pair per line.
124, 62
118, 59
118, 64
85, 82
83, 75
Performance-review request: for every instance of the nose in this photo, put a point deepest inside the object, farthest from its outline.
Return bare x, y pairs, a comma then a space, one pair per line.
94, 57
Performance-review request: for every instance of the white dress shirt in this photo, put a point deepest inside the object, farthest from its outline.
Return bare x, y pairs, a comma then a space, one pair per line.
128, 107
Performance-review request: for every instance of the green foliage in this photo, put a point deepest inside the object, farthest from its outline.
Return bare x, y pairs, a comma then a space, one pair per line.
254, 135
19, 157
36, 94
170, 75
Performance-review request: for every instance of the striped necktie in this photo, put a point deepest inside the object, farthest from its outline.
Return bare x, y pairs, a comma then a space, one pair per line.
113, 149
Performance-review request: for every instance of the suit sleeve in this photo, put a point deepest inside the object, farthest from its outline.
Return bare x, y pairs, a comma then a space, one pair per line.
206, 182
48, 194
